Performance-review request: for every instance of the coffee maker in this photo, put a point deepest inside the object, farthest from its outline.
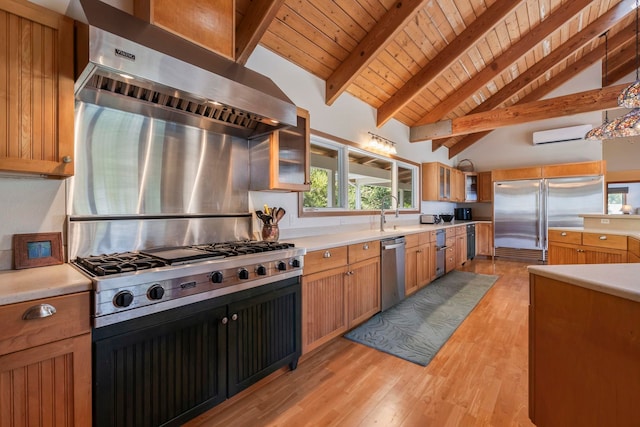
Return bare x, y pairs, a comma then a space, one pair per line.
463, 214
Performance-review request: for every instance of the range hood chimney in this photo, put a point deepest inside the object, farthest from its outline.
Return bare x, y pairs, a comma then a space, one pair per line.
125, 63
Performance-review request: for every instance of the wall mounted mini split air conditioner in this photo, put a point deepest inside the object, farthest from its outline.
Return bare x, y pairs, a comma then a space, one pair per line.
571, 133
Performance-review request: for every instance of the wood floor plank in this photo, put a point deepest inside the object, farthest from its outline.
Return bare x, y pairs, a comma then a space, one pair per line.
478, 378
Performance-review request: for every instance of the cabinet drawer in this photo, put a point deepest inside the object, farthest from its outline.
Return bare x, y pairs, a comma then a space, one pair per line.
433, 236
461, 230
450, 232
563, 236
70, 319
450, 242
424, 238
324, 259
603, 240
634, 246
362, 251
412, 240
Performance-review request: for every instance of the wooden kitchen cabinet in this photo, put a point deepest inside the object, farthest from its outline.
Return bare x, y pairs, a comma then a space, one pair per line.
37, 105
324, 312
45, 363
484, 238
572, 247
419, 262
450, 262
340, 289
583, 356
485, 187
363, 282
280, 160
441, 182
208, 23
461, 245
633, 250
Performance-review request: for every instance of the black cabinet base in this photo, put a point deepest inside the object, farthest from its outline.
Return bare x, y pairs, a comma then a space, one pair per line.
169, 367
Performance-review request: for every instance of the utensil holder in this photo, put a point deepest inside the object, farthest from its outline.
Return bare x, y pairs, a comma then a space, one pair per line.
270, 232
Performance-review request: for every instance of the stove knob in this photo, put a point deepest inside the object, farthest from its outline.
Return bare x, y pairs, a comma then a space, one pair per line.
243, 274
216, 277
280, 265
123, 299
261, 270
295, 263
155, 292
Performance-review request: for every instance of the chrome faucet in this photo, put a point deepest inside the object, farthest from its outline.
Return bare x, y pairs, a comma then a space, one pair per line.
382, 220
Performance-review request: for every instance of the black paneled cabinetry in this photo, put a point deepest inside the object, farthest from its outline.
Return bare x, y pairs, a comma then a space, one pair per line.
168, 367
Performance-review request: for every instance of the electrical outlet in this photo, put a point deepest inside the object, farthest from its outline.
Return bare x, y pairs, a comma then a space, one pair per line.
604, 221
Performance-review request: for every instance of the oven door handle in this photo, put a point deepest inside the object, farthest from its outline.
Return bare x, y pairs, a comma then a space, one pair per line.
442, 248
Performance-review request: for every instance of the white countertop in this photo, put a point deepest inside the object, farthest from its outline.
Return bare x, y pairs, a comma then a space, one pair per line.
41, 282
332, 239
621, 280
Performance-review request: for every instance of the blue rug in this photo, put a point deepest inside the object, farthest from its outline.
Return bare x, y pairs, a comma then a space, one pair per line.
416, 328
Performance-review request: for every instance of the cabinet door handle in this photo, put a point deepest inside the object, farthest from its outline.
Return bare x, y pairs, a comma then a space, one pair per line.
365, 247
225, 320
327, 254
234, 317
563, 233
603, 237
39, 311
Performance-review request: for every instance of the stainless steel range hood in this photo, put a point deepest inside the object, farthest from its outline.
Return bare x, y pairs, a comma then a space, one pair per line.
127, 64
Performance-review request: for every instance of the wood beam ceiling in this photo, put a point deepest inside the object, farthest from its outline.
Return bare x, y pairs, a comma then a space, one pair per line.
594, 30
628, 33
583, 102
392, 23
479, 28
253, 26
504, 61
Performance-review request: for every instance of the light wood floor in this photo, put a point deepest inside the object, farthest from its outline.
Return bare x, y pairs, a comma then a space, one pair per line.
479, 377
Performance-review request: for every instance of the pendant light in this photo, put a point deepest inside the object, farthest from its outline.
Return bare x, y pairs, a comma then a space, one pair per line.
601, 132
630, 97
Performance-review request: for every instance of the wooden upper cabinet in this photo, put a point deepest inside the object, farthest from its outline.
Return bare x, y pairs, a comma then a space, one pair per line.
574, 169
208, 23
36, 87
485, 187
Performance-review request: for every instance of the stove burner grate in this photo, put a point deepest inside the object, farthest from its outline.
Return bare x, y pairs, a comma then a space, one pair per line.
103, 265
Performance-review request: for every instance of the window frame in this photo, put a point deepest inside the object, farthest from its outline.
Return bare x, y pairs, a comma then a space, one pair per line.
344, 146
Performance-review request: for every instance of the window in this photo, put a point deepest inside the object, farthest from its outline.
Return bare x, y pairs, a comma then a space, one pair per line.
345, 178
616, 198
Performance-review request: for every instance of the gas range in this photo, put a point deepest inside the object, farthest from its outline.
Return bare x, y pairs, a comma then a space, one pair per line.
134, 284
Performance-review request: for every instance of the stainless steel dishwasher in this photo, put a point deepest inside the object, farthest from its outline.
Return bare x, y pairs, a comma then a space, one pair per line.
392, 271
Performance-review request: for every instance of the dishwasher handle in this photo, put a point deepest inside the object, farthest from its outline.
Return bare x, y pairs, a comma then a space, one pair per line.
392, 246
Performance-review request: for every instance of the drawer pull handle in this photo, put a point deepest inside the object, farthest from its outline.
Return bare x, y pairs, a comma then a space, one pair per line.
327, 254
603, 237
365, 247
39, 311
563, 233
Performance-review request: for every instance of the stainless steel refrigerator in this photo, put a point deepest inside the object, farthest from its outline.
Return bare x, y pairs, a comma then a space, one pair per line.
524, 209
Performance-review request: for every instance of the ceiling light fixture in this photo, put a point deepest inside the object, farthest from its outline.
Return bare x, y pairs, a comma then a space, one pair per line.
630, 97
379, 143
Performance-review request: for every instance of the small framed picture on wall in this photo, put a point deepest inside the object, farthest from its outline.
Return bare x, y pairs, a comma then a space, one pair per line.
37, 250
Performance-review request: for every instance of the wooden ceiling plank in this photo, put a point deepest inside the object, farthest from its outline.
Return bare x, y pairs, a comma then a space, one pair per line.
623, 70
445, 57
504, 61
568, 73
594, 30
583, 102
371, 45
253, 26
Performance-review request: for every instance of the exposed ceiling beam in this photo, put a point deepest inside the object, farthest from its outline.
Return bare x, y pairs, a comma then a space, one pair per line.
443, 60
594, 30
620, 39
253, 26
504, 61
392, 23
583, 102
622, 71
